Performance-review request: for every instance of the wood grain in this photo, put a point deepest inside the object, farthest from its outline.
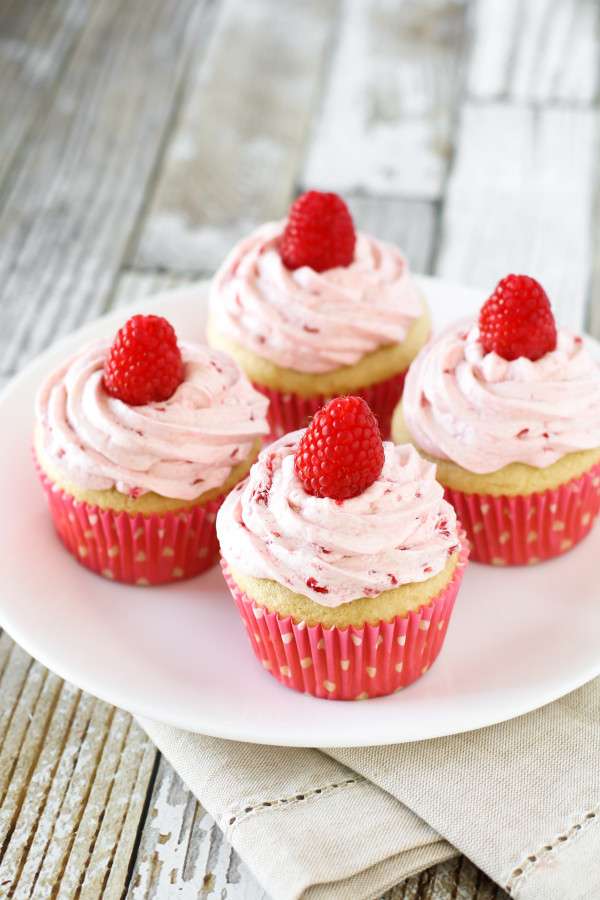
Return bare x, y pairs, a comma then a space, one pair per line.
36, 40
519, 200
234, 159
457, 879
410, 224
386, 116
535, 51
73, 206
74, 773
183, 853
593, 311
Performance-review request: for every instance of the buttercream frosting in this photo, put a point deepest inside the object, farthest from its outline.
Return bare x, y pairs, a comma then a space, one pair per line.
484, 412
313, 321
399, 530
179, 448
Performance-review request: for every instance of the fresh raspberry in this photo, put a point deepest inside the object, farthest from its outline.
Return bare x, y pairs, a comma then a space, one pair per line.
341, 452
319, 233
517, 320
144, 364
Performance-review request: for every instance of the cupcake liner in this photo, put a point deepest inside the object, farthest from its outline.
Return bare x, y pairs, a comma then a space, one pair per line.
143, 550
288, 412
351, 663
514, 531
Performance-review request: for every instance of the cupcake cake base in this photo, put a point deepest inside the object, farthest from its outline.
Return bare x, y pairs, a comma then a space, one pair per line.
525, 530
351, 663
134, 549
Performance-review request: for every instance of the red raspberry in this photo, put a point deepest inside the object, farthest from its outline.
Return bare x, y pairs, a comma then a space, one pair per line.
517, 320
319, 233
144, 364
341, 452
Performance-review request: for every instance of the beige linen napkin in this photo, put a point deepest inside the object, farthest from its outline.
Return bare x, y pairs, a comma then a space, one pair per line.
521, 799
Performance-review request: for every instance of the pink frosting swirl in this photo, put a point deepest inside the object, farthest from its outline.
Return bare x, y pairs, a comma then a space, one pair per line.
310, 321
400, 530
484, 412
179, 448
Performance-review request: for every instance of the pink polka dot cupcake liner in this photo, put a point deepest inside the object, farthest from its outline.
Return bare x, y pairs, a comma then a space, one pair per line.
288, 412
142, 550
515, 531
351, 663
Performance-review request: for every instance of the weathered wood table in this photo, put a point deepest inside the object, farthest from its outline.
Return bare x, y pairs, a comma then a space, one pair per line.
138, 140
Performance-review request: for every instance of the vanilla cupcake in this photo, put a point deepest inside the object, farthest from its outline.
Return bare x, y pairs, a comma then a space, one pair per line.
312, 310
345, 595
137, 445
508, 408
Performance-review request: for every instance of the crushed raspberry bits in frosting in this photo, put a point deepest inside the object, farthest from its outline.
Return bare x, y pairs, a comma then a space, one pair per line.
399, 530
312, 321
180, 447
484, 412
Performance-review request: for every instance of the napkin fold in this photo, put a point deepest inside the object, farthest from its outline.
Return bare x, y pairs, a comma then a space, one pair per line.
521, 799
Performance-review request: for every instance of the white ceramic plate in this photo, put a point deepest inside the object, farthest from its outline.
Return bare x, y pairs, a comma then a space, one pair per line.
518, 638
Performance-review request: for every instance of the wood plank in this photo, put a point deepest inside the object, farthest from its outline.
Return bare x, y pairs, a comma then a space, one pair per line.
36, 40
409, 224
183, 853
535, 51
73, 207
134, 285
457, 878
235, 155
386, 117
74, 774
520, 199
593, 316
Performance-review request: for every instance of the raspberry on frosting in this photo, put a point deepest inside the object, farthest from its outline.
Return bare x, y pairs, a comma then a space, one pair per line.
398, 531
484, 412
319, 233
144, 363
341, 451
309, 321
517, 320
180, 448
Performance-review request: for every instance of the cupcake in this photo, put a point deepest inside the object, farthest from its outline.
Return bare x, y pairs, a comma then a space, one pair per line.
312, 310
343, 557
508, 408
137, 444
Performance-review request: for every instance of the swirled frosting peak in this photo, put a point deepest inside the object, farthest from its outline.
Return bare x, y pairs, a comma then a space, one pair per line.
313, 321
179, 448
484, 412
399, 530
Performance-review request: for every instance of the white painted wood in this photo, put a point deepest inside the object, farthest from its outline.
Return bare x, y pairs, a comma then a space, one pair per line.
409, 224
35, 42
234, 159
183, 853
134, 285
74, 203
386, 116
535, 51
520, 199
74, 774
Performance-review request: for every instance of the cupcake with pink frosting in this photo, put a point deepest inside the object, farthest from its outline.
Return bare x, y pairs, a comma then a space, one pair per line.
343, 557
508, 408
312, 310
137, 444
